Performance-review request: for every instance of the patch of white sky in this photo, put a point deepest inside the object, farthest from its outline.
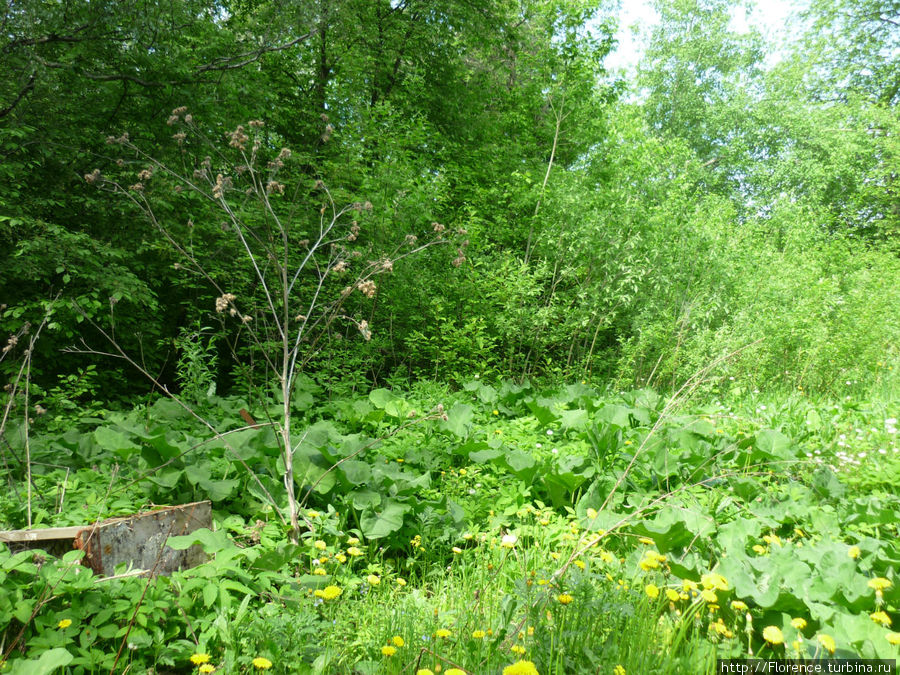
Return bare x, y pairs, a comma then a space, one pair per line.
774, 18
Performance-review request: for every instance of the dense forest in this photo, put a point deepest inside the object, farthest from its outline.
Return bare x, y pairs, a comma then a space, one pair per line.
490, 357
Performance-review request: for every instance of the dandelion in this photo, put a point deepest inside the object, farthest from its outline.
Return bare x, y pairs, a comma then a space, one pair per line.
398, 641
517, 649
261, 663
880, 617
761, 550
799, 623
714, 581
455, 671
652, 591
880, 583
373, 580
388, 650
646, 541
564, 598
401, 581
354, 552
65, 623
709, 595
739, 606
442, 633
772, 539
827, 642
331, 592
773, 635
580, 564
893, 638
207, 668
424, 671
478, 634
672, 595
520, 668
619, 670
320, 572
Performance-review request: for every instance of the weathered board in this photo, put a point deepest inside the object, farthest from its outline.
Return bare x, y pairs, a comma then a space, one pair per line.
138, 541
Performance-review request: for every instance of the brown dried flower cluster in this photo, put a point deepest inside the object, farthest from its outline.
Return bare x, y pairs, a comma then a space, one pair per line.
145, 174
222, 183
387, 265
223, 301
238, 138
93, 176
256, 124
179, 137
354, 232
411, 239
12, 342
367, 288
274, 186
365, 330
117, 140
340, 266
437, 227
176, 115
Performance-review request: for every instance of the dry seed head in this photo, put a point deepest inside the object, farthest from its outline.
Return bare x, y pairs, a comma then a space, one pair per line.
179, 137
92, 177
180, 110
437, 227
223, 301
256, 124
188, 119
364, 330
274, 186
284, 154
367, 288
172, 120
238, 138
319, 185
137, 187
387, 265
207, 162
411, 239
120, 163
145, 175
340, 266
178, 189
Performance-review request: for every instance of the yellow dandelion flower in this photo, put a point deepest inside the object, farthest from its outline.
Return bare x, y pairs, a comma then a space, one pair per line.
521, 668
320, 572
65, 623
401, 581
457, 550
564, 598
544, 521
463, 472
647, 541
880, 617
799, 623
453, 671
261, 663
652, 591
373, 579
708, 595
773, 635
760, 550
827, 642
331, 592
880, 583
442, 633
579, 564
207, 668
739, 606
619, 670
320, 545
648, 564
398, 641
893, 638
672, 595
424, 671
352, 541
313, 515
388, 650
478, 634
607, 557
689, 585
341, 558
772, 539
854, 552
517, 649
714, 581
199, 658
354, 552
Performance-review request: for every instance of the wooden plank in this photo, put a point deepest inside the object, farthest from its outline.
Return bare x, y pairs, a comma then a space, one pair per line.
43, 534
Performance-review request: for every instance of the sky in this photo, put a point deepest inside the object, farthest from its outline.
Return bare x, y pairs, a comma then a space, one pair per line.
769, 16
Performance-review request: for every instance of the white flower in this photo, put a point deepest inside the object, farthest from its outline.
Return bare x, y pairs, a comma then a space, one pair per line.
509, 540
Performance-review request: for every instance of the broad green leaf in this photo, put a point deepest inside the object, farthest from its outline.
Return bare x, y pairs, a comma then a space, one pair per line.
377, 524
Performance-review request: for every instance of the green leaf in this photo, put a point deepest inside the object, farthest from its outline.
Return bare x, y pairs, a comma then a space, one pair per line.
47, 663
378, 524
459, 418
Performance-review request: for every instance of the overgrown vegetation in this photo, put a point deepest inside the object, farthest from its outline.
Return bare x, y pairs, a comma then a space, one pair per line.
488, 359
